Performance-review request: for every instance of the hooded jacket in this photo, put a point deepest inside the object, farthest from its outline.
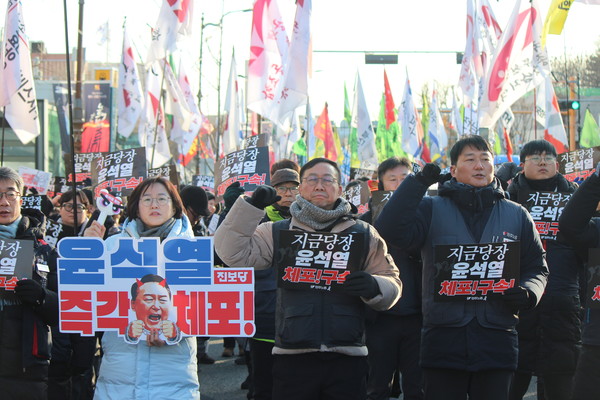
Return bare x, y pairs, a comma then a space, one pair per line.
140, 372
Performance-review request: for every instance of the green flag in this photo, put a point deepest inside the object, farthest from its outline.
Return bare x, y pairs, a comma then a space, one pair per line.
347, 110
387, 141
299, 148
590, 134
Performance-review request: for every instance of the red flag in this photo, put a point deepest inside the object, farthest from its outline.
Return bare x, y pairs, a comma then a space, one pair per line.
390, 115
508, 144
425, 156
324, 131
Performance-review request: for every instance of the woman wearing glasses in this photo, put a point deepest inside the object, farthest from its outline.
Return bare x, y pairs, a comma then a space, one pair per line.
151, 368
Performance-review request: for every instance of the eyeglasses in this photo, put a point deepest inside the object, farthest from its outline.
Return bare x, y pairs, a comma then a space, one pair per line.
11, 195
284, 189
161, 201
538, 159
326, 181
69, 207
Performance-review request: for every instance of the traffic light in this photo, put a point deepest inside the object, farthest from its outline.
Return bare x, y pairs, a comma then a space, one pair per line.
567, 105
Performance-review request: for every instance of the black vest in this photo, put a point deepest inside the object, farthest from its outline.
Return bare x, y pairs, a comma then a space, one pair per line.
307, 319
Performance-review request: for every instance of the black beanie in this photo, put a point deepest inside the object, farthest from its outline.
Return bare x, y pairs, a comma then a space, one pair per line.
195, 198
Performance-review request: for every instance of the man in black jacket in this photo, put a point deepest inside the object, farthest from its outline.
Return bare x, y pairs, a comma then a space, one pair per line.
580, 225
549, 335
468, 347
24, 318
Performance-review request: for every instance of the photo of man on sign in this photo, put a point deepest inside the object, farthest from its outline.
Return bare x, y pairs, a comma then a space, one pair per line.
151, 302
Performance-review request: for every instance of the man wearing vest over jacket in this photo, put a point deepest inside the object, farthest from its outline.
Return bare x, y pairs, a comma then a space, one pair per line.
468, 346
319, 347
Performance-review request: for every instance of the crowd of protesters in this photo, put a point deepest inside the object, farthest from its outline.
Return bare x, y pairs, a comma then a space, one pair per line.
383, 333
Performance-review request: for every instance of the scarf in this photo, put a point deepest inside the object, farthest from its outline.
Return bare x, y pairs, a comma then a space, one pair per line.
316, 217
161, 231
542, 185
9, 231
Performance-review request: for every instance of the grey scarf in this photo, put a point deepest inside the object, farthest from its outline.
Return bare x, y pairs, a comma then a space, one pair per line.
159, 231
316, 217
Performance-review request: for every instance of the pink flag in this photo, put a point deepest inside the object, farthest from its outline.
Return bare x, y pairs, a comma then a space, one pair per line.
174, 19
518, 65
17, 91
268, 48
130, 97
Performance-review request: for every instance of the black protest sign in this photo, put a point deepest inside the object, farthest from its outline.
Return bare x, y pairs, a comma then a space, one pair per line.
357, 173
592, 293
578, 164
58, 186
206, 182
168, 171
119, 172
379, 199
16, 262
358, 194
545, 209
261, 140
83, 166
53, 232
317, 261
249, 167
467, 272
32, 202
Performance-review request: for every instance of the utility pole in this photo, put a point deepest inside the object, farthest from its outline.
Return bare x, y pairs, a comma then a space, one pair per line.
78, 109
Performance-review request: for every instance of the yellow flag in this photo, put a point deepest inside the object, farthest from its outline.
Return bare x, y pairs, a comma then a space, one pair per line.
556, 17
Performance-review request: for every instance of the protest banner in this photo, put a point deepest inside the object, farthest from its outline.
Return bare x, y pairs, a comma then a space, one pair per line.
250, 167
169, 171
379, 199
475, 271
96, 287
545, 208
578, 164
119, 172
33, 178
16, 262
318, 261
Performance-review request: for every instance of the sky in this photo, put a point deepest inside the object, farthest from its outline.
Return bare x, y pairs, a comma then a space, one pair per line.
342, 31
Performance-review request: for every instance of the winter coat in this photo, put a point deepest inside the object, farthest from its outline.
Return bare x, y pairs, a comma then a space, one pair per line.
241, 241
25, 341
137, 371
467, 337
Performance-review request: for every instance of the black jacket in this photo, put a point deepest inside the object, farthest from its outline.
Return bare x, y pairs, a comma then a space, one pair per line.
25, 341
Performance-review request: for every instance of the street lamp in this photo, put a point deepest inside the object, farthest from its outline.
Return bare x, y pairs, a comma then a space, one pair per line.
219, 62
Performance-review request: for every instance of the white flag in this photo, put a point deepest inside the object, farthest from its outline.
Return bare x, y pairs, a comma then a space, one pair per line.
456, 120
437, 132
151, 132
408, 118
268, 48
130, 97
232, 131
174, 19
361, 122
175, 103
554, 128
17, 90
517, 65
292, 91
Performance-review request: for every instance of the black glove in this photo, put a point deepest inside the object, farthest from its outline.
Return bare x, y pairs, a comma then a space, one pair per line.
429, 175
231, 194
507, 171
264, 196
517, 298
30, 292
361, 283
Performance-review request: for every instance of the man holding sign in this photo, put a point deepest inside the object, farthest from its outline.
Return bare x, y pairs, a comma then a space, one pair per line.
470, 298
549, 335
26, 312
332, 266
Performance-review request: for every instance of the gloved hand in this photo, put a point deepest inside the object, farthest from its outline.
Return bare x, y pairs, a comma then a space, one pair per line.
429, 175
231, 194
361, 283
264, 196
30, 292
517, 298
597, 169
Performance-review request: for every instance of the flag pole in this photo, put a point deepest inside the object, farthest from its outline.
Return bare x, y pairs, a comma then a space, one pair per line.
160, 98
3, 126
307, 131
70, 101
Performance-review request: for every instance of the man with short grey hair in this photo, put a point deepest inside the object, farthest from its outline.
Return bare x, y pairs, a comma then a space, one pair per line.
26, 314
